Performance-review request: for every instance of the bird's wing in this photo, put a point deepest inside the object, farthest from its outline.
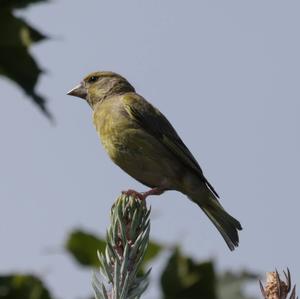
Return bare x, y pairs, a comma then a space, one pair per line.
156, 124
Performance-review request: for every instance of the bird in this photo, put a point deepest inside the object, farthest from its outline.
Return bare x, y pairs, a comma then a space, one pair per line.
143, 143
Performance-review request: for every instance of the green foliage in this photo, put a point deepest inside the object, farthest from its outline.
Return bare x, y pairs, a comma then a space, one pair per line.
83, 246
231, 285
152, 252
18, 3
22, 287
182, 278
185, 279
16, 62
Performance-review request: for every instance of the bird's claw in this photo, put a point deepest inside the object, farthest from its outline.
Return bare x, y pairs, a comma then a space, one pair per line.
134, 193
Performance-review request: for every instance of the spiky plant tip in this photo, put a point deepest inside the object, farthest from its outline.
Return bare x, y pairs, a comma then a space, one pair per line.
127, 241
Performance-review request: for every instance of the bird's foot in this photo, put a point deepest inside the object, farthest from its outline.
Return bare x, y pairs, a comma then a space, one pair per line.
134, 193
143, 195
153, 191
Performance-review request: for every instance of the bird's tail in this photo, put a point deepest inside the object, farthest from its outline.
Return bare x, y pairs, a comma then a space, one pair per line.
225, 223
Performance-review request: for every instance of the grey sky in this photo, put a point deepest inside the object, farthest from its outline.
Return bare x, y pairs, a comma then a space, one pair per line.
225, 73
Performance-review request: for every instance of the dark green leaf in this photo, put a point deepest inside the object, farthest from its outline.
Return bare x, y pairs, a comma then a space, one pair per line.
84, 246
22, 287
26, 77
184, 279
19, 33
230, 285
152, 251
17, 3
16, 63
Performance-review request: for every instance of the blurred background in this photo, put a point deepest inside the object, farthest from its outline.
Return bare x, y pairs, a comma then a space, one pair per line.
225, 73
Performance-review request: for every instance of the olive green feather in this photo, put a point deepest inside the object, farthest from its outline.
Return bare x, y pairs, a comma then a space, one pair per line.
156, 124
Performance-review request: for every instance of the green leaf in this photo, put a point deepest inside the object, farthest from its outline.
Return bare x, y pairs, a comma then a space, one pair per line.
18, 3
83, 247
152, 251
230, 285
22, 287
19, 33
16, 62
183, 278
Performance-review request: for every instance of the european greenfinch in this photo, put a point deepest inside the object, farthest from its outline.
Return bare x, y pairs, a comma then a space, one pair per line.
141, 141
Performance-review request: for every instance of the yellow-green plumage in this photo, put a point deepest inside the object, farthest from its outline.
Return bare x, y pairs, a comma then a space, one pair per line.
140, 140
137, 152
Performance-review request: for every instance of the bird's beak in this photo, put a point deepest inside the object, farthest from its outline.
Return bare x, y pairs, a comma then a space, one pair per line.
78, 91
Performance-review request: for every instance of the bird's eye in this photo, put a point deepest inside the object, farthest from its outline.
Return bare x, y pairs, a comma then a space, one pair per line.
93, 79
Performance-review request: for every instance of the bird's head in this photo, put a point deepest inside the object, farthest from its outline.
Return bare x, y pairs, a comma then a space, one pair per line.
98, 86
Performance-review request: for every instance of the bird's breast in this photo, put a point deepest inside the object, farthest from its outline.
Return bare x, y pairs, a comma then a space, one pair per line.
112, 124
